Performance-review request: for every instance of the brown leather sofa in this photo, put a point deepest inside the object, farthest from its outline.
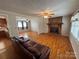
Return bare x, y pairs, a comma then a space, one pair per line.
30, 49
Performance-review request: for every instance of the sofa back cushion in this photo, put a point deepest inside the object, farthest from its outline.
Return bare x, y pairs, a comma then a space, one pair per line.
22, 39
30, 46
34, 51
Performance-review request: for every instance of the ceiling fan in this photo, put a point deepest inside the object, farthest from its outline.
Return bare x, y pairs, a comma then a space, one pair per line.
46, 13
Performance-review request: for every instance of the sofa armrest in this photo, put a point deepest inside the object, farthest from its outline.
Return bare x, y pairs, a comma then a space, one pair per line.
21, 50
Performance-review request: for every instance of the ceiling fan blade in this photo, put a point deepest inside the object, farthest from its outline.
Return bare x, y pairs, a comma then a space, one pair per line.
52, 14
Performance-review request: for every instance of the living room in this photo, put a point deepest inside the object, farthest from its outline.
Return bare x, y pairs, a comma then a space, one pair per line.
49, 31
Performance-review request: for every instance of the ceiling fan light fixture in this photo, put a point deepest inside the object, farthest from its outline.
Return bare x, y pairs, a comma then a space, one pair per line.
46, 13
46, 17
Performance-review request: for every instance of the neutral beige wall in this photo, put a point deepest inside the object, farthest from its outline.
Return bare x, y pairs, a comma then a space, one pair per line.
43, 27
11, 20
75, 45
34, 23
66, 25
39, 24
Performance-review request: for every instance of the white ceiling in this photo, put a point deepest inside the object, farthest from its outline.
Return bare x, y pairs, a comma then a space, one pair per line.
60, 7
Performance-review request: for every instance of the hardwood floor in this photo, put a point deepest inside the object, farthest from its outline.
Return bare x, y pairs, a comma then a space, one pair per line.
60, 46
7, 50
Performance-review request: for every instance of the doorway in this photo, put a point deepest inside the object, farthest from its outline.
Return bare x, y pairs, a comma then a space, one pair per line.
3, 28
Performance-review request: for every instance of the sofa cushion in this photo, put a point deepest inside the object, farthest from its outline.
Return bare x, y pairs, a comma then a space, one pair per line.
22, 39
31, 42
30, 46
34, 51
26, 45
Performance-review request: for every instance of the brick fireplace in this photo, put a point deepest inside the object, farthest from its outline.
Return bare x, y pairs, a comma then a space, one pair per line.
55, 25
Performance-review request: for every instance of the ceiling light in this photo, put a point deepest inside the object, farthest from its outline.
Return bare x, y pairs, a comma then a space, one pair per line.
46, 13
46, 17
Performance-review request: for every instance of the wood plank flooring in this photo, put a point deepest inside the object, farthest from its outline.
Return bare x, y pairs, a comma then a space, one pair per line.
7, 50
60, 45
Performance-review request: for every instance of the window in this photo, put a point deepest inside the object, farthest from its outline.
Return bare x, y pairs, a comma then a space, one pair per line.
22, 24
19, 24
75, 29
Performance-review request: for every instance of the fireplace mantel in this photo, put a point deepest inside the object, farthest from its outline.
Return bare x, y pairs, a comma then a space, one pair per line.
54, 23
